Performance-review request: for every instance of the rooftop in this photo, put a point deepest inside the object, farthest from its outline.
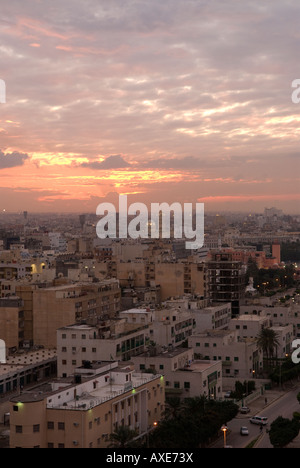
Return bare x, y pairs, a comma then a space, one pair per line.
25, 359
105, 384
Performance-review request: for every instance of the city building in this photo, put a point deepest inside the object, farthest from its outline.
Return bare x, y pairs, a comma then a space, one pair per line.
241, 358
84, 411
227, 280
61, 305
184, 376
12, 322
249, 326
169, 325
109, 340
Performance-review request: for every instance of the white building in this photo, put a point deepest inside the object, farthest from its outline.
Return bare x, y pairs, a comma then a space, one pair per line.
184, 376
248, 326
240, 358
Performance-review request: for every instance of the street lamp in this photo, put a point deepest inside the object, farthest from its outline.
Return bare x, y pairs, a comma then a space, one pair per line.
224, 429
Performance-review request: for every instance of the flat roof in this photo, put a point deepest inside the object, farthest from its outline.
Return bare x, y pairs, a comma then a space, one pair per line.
20, 361
199, 366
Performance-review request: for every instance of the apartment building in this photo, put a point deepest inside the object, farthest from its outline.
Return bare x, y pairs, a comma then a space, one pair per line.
62, 305
226, 279
215, 316
169, 325
109, 340
285, 336
184, 376
12, 322
241, 358
64, 414
249, 326
175, 278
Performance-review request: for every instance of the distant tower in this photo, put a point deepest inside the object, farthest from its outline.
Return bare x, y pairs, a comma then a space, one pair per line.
25, 214
276, 252
82, 219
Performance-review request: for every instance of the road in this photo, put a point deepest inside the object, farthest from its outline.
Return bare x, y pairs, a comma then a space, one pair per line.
284, 406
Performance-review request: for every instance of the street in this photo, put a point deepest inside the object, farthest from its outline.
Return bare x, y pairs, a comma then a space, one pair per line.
283, 406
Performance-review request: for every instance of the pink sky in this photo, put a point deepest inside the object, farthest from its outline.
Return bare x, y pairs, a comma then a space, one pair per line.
164, 101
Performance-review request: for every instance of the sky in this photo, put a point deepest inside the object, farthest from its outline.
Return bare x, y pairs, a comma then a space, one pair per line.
165, 101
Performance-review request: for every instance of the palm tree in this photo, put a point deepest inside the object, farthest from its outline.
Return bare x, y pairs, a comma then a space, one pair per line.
122, 437
267, 340
174, 408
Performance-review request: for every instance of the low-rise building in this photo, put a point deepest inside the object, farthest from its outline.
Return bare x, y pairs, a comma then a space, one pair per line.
249, 326
64, 414
285, 336
241, 358
109, 340
184, 376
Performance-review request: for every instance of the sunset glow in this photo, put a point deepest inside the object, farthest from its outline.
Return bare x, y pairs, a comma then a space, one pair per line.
175, 101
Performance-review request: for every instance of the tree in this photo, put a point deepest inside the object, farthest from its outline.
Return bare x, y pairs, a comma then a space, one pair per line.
174, 407
267, 340
122, 437
283, 431
195, 422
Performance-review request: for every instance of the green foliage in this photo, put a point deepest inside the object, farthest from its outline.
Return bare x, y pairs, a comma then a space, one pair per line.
192, 423
123, 437
283, 431
242, 389
288, 371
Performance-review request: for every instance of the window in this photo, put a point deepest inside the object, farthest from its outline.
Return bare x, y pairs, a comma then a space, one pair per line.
61, 446
236, 359
50, 425
19, 429
16, 408
187, 385
61, 426
50, 445
36, 428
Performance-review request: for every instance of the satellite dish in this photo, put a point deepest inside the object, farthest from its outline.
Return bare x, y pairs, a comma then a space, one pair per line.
2, 352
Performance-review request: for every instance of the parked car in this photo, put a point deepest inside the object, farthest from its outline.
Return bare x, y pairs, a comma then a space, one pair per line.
244, 430
244, 410
260, 420
227, 395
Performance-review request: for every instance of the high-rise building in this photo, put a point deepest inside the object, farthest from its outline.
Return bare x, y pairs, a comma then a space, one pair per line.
227, 279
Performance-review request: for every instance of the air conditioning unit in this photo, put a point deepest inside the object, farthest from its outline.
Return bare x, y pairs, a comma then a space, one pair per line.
75, 442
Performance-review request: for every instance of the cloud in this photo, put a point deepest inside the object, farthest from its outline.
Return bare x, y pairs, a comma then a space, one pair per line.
112, 162
15, 159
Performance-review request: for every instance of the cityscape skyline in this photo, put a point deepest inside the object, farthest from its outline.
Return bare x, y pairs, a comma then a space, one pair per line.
174, 102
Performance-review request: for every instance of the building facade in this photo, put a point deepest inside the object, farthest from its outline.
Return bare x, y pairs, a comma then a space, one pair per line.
83, 415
